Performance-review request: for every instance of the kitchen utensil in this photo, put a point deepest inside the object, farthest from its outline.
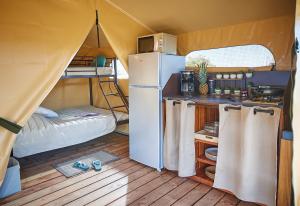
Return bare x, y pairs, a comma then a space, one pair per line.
239, 76
219, 76
210, 172
203, 135
226, 76
266, 91
211, 153
249, 74
232, 76
212, 127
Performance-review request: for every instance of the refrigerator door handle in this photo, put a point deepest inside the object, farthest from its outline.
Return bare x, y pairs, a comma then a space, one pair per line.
142, 86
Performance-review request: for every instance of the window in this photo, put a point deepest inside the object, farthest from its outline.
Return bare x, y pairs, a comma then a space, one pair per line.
122, 73
237, 56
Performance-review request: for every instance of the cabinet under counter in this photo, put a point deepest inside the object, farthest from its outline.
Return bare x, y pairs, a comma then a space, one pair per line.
209, 112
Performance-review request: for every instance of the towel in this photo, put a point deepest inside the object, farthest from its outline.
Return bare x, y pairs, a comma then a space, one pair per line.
247, 157
179, 149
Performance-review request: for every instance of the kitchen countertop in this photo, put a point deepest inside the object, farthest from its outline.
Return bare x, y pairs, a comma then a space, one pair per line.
213, 100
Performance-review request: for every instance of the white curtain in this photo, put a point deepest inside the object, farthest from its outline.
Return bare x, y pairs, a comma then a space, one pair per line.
179, 149
247, 155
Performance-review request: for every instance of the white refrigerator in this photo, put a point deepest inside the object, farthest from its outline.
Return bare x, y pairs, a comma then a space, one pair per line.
148, 74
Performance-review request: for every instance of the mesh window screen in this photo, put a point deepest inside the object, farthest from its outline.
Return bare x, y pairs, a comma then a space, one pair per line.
238, 56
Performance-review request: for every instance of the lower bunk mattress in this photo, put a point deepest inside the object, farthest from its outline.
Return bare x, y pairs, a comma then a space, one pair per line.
73, 126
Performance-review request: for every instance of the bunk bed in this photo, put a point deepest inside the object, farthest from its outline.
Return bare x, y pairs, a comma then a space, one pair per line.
74, 125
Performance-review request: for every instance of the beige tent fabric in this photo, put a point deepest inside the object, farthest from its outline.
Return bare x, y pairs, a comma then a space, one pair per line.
38, 39
178, 16
120, 31
277, 34
62, 95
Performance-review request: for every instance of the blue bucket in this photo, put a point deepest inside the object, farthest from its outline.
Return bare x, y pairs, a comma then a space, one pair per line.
12, 180
101, 60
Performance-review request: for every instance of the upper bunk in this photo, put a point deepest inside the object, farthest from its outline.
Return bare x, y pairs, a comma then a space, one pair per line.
88, 67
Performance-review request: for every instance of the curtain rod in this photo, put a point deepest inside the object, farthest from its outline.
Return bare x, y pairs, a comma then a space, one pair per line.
227, 108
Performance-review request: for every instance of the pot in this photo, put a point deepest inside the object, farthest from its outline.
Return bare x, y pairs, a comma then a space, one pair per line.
237, 92
218, 91
227, 91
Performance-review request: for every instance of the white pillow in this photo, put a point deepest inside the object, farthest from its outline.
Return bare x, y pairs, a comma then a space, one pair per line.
46, 112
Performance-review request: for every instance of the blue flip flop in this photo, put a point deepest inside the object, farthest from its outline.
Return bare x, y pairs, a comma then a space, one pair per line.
97, 165
81, 165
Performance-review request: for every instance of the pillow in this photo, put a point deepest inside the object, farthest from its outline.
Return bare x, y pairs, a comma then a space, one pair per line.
48, 113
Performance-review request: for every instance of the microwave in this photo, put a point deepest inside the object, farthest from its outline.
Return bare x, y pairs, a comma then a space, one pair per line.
160, 42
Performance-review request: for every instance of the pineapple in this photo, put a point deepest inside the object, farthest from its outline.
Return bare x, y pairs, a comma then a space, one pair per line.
202, 77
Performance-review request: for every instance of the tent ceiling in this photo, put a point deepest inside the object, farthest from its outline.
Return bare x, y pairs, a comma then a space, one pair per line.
178, 16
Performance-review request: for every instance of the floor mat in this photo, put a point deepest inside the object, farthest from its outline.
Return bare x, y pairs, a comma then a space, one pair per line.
123, 129
67, 169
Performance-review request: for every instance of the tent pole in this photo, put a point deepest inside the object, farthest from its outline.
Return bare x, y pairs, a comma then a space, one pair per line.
97, 26
91, 91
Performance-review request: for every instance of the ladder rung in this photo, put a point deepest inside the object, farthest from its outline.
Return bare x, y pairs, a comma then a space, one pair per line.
118, 106
106, 81
106, 75
112, 94
123, 122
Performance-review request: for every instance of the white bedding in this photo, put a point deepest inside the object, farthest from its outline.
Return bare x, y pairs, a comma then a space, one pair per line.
74, 126
87, 71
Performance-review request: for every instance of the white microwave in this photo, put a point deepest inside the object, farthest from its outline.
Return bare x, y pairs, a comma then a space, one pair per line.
160, 42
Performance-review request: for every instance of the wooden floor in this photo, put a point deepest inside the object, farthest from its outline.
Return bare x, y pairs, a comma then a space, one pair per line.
123, 182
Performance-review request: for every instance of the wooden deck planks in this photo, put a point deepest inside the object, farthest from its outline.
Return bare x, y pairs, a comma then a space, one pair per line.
55, 181
84, 187
64, 184
228, 200
123, 182
211, 198
176, 194
68, 196
159, 192
143, 190
193, 196
242, 203
114, 190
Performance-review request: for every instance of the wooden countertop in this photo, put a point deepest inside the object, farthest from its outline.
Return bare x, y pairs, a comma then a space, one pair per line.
214, 100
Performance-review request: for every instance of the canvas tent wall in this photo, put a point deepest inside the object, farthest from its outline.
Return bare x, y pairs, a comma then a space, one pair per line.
198, 30
38, 39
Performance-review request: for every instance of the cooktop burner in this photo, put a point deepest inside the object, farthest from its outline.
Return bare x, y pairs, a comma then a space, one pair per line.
270, 99
265, 100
